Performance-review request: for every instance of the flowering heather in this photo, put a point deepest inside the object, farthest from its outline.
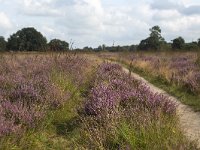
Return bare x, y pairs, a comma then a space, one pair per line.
27, 91
114, 88
122, 113
181, 69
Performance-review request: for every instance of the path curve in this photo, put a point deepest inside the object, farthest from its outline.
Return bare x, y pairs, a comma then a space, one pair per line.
189, 120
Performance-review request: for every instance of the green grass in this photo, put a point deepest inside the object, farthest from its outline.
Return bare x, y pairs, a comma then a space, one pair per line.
154, 136
181, 93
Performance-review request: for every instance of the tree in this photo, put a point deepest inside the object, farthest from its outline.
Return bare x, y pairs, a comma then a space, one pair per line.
178, 43
198, 41
2, 44
155, 32
27, 39
144, 44
103, 47
154, 41
58, 45
132, 48
191, 46
88, 48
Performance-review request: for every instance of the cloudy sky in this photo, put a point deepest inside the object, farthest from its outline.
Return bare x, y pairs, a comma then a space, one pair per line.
94, 22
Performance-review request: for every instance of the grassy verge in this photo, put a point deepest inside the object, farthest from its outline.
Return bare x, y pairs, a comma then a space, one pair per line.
182, 94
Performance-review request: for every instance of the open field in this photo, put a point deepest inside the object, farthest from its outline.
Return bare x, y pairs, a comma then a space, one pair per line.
80, 101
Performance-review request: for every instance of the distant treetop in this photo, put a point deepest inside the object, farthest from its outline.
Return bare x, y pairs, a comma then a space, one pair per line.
58, 45
154, 41
27, 39
2, 43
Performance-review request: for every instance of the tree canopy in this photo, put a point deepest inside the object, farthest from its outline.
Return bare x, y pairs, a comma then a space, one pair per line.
58, 45
154, 41
178, 43
2, 43
27, 39
198, 42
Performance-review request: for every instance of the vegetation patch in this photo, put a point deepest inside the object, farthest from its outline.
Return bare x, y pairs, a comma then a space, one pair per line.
124, 114
177, 74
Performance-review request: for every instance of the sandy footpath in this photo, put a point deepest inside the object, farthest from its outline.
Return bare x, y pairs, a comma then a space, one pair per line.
189, 120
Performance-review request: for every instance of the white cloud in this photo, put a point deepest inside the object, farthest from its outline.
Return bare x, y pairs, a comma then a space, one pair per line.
5, 21
96, 23
166, 15
182, 24
39, 8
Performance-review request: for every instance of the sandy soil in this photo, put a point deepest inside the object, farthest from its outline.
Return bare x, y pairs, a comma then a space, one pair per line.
189, 120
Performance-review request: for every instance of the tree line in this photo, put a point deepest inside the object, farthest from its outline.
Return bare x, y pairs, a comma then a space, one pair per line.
29, 39
154, 42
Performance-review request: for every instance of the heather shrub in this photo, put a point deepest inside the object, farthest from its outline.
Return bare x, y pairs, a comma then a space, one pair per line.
179, 69
114, 88
122, 113
28, 91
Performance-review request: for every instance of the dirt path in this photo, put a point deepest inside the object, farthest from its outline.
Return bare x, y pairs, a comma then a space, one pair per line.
189, 120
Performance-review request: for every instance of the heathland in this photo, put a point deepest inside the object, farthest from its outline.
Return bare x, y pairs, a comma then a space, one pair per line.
86, 101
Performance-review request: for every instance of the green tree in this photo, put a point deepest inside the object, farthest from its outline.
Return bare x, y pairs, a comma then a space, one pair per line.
132, 48
87, 48
103, 47
198, 41
154, 41
58, 45
191, 46
144, 44
178, 43
27, 39
2, 43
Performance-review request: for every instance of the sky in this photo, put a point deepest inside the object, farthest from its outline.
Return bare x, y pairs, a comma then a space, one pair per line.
96, 22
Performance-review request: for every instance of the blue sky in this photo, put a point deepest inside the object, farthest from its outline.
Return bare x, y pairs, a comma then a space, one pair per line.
95, 22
